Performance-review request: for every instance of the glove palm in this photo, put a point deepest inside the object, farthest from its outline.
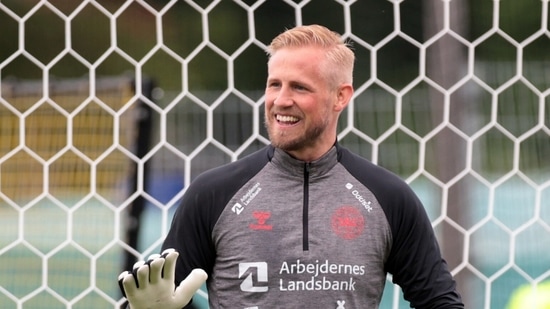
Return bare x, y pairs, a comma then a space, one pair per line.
151, 285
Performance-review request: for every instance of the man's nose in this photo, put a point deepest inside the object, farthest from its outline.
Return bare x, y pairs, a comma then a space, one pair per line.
283, 97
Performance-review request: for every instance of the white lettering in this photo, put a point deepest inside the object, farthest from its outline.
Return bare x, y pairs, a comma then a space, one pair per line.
365, 203
317, 284
246, 199
317, 268
251, 194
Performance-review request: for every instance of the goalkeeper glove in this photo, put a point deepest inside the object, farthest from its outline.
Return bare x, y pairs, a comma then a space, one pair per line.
151, 284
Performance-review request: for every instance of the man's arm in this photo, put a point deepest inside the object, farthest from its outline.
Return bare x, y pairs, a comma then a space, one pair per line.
415, 259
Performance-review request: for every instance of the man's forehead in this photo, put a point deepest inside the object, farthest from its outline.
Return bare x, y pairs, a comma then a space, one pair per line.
303, 58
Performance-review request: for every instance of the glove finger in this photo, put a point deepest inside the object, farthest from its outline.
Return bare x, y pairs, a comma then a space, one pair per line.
167, 251
120, 279
155, 270
187, 288
169, 270
143, 276
129, 285
135, 269
153, 257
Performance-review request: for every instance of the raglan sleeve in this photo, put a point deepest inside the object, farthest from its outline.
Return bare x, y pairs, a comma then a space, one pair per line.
190, 232
415, 260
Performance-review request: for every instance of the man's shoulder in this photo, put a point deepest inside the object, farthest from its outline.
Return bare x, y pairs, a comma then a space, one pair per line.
237, 171
388, 187
365, 170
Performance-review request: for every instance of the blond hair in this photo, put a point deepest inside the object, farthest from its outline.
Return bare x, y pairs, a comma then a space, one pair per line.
340, 58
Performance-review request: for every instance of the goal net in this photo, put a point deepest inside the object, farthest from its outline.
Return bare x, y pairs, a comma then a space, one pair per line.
453, 96
65, 175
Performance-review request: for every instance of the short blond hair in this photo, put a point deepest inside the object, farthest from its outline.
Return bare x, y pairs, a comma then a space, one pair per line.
339, 55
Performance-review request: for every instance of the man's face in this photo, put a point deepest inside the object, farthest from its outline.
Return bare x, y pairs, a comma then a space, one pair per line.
299, 104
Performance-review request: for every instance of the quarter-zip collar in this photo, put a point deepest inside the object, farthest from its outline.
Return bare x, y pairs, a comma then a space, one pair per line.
295, 167
308, 172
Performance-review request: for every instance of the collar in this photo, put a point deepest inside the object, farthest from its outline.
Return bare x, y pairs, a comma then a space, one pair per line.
293, 166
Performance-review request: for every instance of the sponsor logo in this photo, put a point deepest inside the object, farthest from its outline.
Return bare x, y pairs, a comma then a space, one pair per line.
249, 271
340, 304
318, 276
366, 204
261, 218
347, 222
237, 208
246, 198
317, 284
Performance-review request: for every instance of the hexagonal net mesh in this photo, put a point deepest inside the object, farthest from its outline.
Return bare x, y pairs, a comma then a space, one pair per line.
108, 109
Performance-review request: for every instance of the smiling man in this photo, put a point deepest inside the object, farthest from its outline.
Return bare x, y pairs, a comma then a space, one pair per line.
303, 222
303, 98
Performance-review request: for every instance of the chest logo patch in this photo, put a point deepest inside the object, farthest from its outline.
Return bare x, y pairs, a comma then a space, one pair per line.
254, 277
261, 221
347, 222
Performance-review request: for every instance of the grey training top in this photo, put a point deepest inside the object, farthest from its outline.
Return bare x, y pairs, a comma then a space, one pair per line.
275, 232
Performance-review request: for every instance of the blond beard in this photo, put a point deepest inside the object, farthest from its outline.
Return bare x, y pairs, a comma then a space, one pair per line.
309, 138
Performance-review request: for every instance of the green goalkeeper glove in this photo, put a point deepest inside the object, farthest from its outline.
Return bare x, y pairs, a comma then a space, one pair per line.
151, 284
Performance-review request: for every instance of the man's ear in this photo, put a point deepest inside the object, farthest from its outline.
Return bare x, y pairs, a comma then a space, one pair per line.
343, 96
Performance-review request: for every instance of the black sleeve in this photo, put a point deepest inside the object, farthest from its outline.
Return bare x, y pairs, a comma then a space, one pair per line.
415, 259
190, 233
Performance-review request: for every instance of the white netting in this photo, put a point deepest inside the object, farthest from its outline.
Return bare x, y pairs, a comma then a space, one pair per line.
455, 99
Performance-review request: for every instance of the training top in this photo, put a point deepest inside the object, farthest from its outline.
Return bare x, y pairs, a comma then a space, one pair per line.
272, 231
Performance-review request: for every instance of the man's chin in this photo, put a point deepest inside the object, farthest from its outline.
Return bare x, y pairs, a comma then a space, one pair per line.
289, 145
285, 145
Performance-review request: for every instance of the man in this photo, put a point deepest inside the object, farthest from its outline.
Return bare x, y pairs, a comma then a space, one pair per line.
302, 223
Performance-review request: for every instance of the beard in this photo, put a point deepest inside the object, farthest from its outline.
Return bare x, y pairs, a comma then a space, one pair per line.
290, 141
